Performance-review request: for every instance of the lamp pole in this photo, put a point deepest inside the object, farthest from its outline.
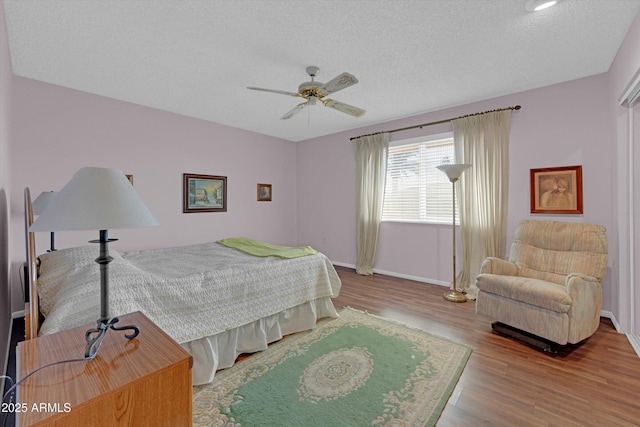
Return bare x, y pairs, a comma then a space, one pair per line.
453, 172
453, 295
94, 336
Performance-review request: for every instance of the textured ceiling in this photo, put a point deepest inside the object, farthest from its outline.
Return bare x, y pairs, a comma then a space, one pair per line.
196, 57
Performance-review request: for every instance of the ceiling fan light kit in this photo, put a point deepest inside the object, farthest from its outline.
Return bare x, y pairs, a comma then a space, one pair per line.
313, 91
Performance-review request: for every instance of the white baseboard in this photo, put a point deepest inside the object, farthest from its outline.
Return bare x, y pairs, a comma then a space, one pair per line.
399, 275
414, 278
343, 264
635, 342
609, 315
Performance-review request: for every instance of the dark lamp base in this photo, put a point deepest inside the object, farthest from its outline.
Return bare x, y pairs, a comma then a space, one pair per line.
94, 336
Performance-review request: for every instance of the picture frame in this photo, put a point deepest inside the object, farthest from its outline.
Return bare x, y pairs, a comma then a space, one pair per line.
264, 192
204, 193
556, 190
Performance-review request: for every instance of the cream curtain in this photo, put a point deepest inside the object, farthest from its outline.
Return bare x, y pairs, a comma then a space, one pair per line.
371, 169
483, 141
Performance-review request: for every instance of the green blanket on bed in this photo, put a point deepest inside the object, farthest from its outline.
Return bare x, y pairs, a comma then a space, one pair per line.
263, 249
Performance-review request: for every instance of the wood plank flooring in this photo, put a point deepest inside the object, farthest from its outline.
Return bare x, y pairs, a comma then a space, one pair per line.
505, 382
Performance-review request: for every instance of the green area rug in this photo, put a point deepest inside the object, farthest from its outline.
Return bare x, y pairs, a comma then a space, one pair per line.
357, 370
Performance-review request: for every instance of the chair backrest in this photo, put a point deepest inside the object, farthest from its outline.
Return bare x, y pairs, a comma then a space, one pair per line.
550, 250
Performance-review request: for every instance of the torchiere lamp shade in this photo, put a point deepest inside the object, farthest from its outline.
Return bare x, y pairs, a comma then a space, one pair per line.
453, 171
95, 199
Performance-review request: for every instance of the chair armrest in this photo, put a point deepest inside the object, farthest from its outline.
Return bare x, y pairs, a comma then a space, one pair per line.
586, 302
492, 265
575, 277
578, 283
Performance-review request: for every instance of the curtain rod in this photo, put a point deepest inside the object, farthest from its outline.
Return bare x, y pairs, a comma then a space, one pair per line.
517, 107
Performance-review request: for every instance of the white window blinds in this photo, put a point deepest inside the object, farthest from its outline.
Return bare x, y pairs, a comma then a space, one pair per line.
415, 190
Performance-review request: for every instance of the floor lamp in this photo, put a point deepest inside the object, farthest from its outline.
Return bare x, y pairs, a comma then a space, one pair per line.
453, 172
97, 199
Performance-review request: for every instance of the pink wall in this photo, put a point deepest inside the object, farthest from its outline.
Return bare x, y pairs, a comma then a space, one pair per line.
57, 131
561, 125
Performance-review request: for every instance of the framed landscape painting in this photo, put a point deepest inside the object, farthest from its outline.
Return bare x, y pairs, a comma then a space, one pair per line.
556, 190
204, 193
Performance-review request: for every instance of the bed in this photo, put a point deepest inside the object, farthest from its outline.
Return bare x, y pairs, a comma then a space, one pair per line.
216, 301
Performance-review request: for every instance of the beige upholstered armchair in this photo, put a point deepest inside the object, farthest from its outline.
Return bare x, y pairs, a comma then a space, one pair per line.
551, 285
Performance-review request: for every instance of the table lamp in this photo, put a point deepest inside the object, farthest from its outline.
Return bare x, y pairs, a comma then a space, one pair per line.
97, 199
38, 206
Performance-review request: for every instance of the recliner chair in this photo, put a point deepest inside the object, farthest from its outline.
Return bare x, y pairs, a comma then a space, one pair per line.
551, 285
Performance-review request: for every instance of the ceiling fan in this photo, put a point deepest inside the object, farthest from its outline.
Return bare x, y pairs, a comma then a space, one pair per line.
313, 92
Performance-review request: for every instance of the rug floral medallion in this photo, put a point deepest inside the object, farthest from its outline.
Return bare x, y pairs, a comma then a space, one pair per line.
356, 370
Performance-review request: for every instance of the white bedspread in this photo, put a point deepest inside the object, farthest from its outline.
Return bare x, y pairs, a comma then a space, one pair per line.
190, 292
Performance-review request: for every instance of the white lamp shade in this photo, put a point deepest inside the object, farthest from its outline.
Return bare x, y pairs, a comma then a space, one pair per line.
454, 171
42, 201
95, 199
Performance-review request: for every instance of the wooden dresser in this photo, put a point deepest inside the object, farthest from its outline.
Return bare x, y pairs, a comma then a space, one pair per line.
141, 382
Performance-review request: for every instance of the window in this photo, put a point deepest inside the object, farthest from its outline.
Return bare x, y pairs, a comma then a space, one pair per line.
415, 190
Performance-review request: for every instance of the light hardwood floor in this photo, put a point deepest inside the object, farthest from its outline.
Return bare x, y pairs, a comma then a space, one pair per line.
505, 382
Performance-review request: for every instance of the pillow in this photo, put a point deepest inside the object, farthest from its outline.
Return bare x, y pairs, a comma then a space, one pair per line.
71, 258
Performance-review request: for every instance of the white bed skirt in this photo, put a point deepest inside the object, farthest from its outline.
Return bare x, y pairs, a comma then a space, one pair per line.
221, 350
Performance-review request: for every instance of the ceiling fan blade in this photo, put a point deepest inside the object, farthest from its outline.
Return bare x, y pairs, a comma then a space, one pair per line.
294, 111
344, 108
344, 80
282, 92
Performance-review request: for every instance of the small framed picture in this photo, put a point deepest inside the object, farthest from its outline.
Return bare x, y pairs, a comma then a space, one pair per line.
556, 190
204, 193
264, 192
